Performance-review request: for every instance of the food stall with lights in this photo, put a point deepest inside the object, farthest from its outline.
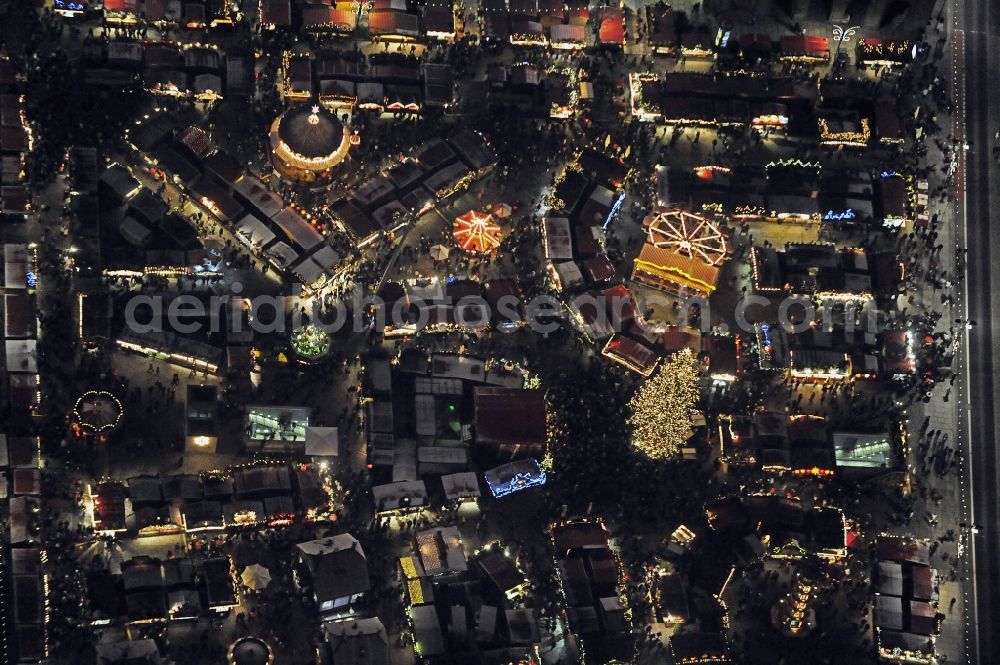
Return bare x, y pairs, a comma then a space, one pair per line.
107, 507
699, 648
895, 194
662, 21
121, 11
669, 597
218, 584
632, 354
591, 577
399, 498
393, 25
806, 49
797, 444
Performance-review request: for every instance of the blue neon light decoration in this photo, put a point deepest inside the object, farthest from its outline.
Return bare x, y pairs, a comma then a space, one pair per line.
888, 174
832, 216
520, 476
765, 331
614, 210
31, 279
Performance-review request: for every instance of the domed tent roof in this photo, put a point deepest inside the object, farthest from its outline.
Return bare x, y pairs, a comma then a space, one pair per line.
250, 651
311, 132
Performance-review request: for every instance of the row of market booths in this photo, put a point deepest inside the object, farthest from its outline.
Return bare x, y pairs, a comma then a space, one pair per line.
587, 198
190, 14
805, 445
779, 526
399, 497
437, 170
556, 24
15, 143
468, 605
398, 84
202, 72
696, 614
20, 326
591, 579
126, 233
796, 191
748, 528
838, 353
431, 416
434, 416
545, 92
285, 236
825, 271
267, 494
433, 305
148, 590
387, 20
832, 113
849, 339
906, 617
672, 32
148, 239
213, 339
465, 607
380, 82
22, 604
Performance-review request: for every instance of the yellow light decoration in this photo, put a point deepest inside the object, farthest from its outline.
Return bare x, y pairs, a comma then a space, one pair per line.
415, 591
663, 408
793, 162
859, 138
409, 570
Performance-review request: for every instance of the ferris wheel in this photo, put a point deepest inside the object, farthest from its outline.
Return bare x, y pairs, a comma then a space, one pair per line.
687, 234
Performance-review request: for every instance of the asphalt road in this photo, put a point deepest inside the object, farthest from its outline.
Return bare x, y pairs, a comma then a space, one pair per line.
980, 26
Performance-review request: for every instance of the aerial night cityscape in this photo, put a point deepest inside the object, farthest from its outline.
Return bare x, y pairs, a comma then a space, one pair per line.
499, 332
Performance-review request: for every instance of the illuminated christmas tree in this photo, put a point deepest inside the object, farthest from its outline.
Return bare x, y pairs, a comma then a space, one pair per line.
663, 408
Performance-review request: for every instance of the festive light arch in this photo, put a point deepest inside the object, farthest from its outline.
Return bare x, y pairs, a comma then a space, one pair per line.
476, 232
687, 234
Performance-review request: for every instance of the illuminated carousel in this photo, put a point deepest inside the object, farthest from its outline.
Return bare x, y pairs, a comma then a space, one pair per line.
308, 143
692, 236
311, 343
96, 413
476, 232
